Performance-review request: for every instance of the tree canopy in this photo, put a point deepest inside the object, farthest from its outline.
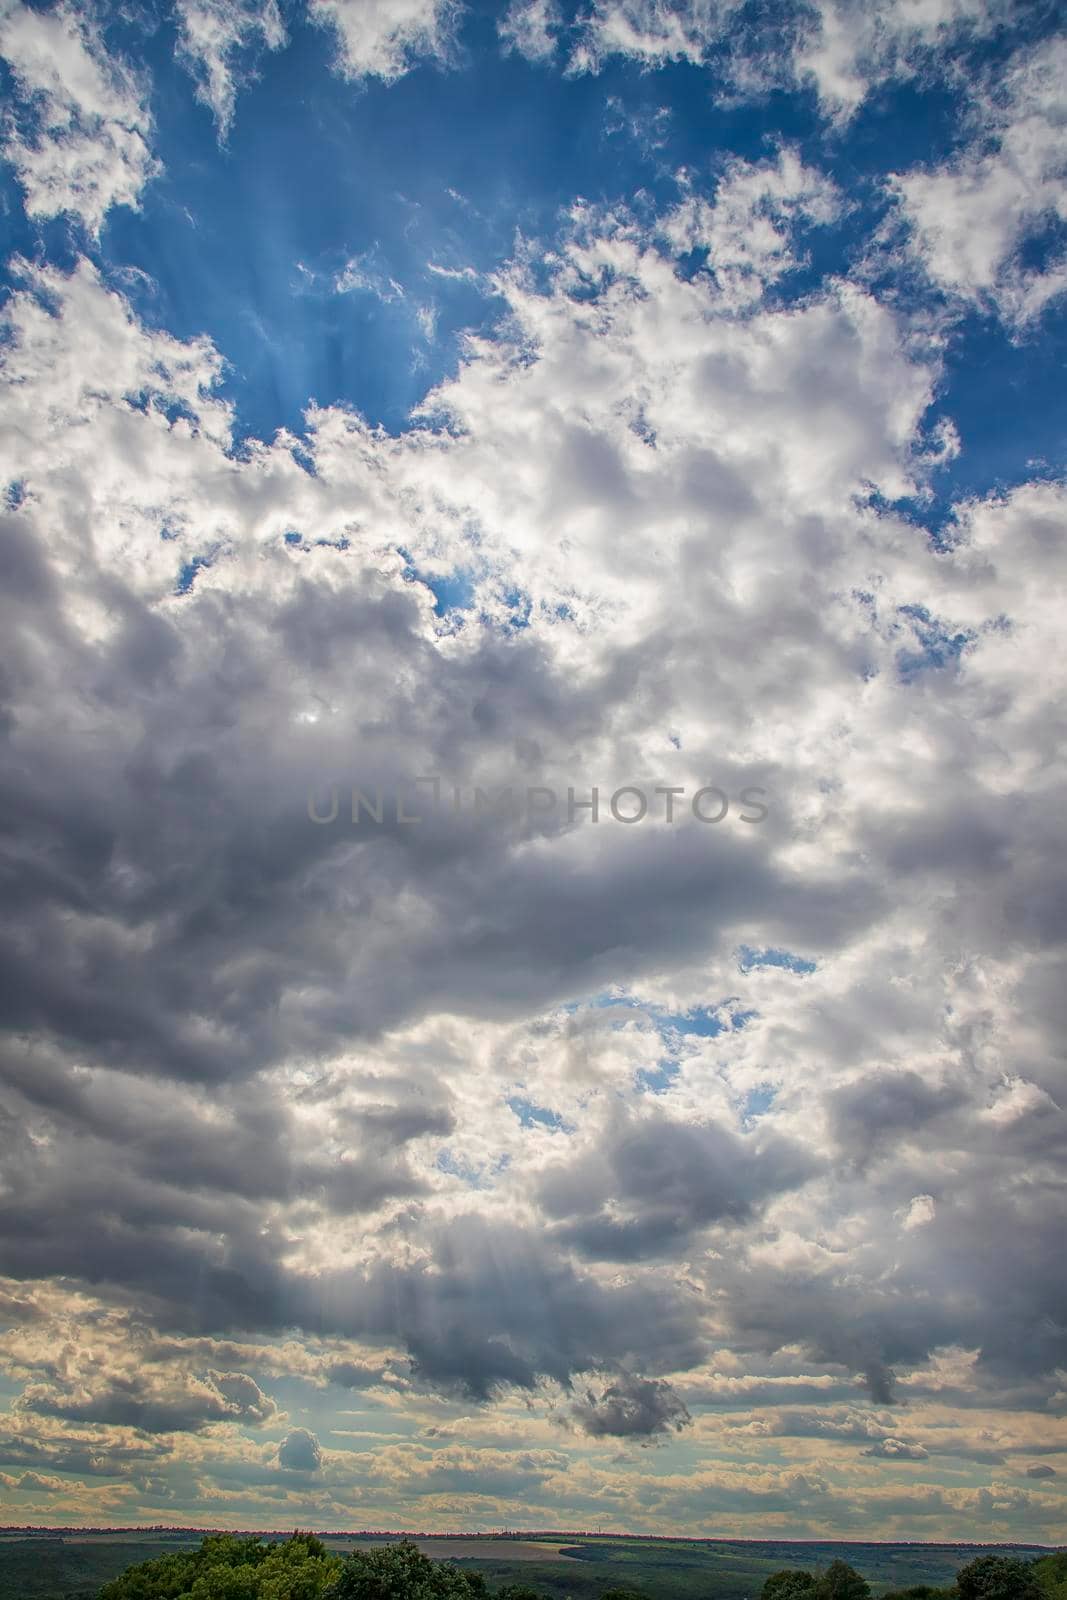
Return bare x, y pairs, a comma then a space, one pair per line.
228, 1568
993, 1577
999, 1578
1051, 1573
838, 1582
401, 1572
789, 1584
841, 1582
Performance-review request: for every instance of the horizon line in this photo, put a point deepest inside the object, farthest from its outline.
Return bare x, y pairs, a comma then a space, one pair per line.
517, 1533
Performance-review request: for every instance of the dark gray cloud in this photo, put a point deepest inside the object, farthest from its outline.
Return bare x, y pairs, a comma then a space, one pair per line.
300, 1451
980, 1275
653, 1182
631, 1407
157, 1401
882, 1109
502, 1306
880, 1382
255, 1072
86, 1455
206, 841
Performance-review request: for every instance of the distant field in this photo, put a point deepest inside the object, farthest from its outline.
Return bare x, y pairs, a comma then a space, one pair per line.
481, 1549
54, 1567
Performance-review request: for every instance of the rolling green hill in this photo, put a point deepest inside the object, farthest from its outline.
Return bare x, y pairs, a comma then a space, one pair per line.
59, 1567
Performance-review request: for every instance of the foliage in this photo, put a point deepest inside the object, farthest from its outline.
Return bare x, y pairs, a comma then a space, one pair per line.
1051, 1574
789, 1584
998, 1578
401, 1572
841, 1582
47, 1567
228, 1568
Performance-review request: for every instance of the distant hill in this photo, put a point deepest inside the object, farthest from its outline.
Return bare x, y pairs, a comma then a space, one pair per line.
72, 1564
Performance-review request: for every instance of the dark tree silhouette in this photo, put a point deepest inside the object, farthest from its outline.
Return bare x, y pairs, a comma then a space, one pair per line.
841, 1582
998, 1578
789, 1584
401, 1572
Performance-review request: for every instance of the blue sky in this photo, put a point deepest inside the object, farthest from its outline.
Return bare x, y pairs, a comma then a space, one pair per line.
622, 398
245, 242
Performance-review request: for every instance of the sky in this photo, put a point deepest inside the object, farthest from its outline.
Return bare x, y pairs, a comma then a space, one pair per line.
532, 710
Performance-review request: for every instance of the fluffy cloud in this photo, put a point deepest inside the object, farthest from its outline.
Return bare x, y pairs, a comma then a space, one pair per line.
136, 1402
971, 217
748, 228
79, 138
83, 1364
300, 1451
383, 38
495, 1112
846, 48
650, 1178
652, 31
842, 49
630, 1407
649, 1184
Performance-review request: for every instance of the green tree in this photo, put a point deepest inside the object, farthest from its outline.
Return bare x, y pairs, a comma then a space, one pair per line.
228, 1568
789, 1584
841, 1582
300, 1569
999, 1578
163, 1579
401, 1572
1051, 1574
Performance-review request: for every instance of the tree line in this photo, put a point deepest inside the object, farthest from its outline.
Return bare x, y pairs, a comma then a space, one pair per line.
988, 1577
227, 1567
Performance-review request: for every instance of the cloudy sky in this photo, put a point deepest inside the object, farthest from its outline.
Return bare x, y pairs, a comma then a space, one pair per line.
424, 397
